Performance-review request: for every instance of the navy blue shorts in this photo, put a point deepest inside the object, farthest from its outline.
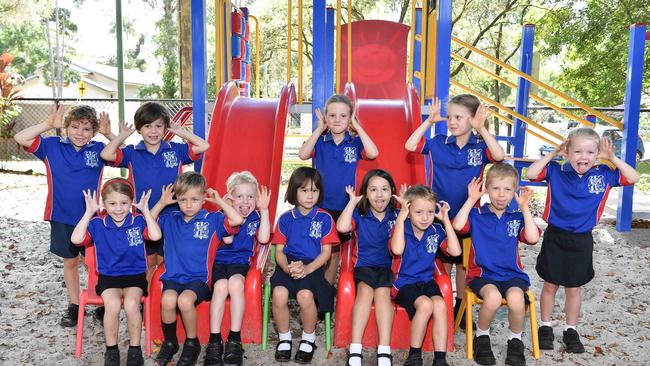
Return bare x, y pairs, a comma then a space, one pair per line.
121, 282
446, 258
375, 277
222, 271
154, 247
314, 282
503, 286
336, 247
199, 288
407, 295
60, 243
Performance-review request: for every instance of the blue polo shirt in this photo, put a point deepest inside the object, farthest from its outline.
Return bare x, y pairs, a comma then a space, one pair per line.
372, 238
494, 254
153, 171
120, 250
69, 172
453, 164
575, 203
418, 260
187, 244
303, 235
337, 164
240, 250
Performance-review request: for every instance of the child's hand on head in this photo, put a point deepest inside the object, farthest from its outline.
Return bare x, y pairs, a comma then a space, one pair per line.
263, 198
167, 196
434, 112
404, 211
55, 119
126, 129
524, 197
442, 213
104, 124
606, 149
475, 189
562, 150
143, 204
400, 199
352, 194
321, 126
212, 196
92, 205
479, 118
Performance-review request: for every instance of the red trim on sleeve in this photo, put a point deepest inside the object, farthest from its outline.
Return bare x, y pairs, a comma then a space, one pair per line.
465, 229
443, 246
540, 177
421, 144
354, 225
88, 240
489, 155
119, 155
333, 236
230, 229
34, 146
623, 181
145, 234
278, 236
191, 153
522, 235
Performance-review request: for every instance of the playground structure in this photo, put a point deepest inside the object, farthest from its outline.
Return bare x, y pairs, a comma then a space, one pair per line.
255, 127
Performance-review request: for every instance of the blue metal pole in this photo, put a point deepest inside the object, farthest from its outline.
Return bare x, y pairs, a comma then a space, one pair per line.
199, 75
330, 25
443, 59
319, 70
417, 52
631, 119
523, 88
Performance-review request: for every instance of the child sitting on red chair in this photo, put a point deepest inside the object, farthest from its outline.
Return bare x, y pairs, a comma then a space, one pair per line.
119, 237
187, 238
495, 271
417, 239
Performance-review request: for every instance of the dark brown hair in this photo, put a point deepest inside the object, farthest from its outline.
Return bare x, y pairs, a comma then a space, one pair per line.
299, 178
364, 205
119, 185
149, 112
82, 113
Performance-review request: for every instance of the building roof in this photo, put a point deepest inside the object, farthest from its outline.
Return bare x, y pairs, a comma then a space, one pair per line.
130, 76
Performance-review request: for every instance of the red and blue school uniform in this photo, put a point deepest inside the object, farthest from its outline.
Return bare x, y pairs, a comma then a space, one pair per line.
303, 237
119, 251
574, 205
417, 266
374, 261
69, 172
494, 254
234, 258
187, 246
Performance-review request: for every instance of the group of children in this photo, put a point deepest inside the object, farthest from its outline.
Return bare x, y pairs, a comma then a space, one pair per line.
168, 221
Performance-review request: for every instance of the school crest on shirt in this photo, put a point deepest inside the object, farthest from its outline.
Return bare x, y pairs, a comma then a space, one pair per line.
201, 230
432, 243
134, 236
316, 229
513, 227
596, 184
474, 157
91, 159
350, 154
252, 228
171, 161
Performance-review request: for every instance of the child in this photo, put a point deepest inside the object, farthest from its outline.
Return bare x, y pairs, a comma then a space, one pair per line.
153, 163
461, 156
232, 263
371, 216
577, 192
417, 239
495, 271
336, 155
187, 237
303, 237
118, 237
73, 165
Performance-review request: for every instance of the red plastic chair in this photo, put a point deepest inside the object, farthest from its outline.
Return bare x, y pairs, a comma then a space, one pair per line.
88, 296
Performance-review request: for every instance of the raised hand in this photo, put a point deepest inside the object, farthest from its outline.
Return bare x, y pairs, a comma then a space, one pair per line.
321, 126
263, 198
212, 196
434, 112
167, 196
92, 205
104, 124
402, 192
524, 197
55, 119
443, 211
175, 126
352, 194
606, 149
143, 204
562, 150
126, 129
479, 118
475, 189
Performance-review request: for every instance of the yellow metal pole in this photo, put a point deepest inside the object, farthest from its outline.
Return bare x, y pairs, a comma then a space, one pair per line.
218, 31
423, 50
257, 55
409, 77
349, 40
432, 49
289, 17
337, 53
299, 35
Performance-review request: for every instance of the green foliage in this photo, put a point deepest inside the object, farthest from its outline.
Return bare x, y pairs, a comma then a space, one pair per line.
643, 185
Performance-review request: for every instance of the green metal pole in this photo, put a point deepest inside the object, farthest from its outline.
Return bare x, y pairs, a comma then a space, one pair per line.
120, 59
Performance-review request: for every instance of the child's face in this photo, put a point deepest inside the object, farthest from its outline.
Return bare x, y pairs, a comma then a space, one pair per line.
582, 153
501, 190
80, 132
307, 196
117, 205
152, 133
243, 198
191, 202
422, 212
378, 193
458, 119
337, 117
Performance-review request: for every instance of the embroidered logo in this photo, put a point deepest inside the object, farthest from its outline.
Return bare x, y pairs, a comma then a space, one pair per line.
596, 184
91, 159
201, 230
252, 228
315, 231
432, 243
474, 157
350, 154
513, 227
134, 237
171, 161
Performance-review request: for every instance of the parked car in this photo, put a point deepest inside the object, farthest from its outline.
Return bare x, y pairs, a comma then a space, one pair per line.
614, 135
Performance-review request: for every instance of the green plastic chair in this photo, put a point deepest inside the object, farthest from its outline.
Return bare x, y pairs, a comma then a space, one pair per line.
266, 308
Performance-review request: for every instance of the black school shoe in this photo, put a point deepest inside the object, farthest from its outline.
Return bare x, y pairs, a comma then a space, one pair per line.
166, 353
233, 353
283, 356
414, 360
440, 363
515, 353
190, 354
305, 357
572, 341
483, 351
69, 318
351, 355
112, 357
134, 357
546, 337
213, 354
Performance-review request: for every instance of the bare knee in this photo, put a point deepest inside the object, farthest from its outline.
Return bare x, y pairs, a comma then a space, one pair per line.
71, 263
424, 306
168, 301
131, 305
186, 301
550, 288
572, 292
112, 306
305, 298
221, 287
236, 284
492, 299
439, 308
280, 296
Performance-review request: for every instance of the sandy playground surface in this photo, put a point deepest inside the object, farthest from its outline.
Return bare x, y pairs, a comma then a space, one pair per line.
615, 322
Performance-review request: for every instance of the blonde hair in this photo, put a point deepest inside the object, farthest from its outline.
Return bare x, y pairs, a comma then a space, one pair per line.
584, 132
502, 170
420, 191
238, 178
188, 180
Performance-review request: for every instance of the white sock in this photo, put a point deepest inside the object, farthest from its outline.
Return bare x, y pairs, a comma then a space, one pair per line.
546, 324
512, 335
311, 337
355, 348
567, 327
383, 361
284, 337
481, 332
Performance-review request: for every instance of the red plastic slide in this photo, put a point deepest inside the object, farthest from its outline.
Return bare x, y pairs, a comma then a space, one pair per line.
245, 134
389, 122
